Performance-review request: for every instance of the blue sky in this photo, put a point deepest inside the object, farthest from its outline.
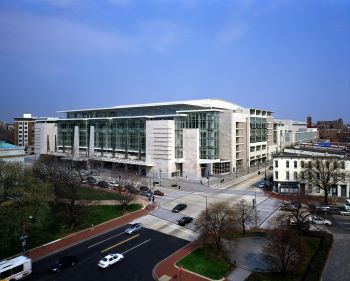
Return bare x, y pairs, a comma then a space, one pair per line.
291, 57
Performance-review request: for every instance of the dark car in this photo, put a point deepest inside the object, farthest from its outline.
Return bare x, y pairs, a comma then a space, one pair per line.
63, 263
179, 207
184, 220
146, 193
290, 207
132, 189
144, 188
158, 192
103, 184
91, 181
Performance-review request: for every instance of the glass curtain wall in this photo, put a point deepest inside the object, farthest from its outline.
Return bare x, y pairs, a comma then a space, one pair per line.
125, 136
258, 129
208, 125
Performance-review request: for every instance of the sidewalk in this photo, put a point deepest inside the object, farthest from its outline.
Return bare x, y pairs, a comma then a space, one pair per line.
78, 237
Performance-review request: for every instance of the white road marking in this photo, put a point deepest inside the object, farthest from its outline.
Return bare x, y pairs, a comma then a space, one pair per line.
144, 242
105, 240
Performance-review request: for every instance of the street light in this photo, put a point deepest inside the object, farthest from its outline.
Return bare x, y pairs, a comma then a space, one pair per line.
160, 177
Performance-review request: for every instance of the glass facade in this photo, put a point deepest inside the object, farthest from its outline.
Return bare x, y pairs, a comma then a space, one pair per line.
258, 129
117, 135
208, 125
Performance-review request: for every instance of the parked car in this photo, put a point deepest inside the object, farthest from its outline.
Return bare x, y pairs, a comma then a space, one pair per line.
304, 226
109, 260
63, 262
90, 180
179, 207
319, 221
133, 228
132, 189
158, 192
113, 184
103, 184
262, 185
290, 207
146, 193
184, 220
144, 188
323, 209
344, 213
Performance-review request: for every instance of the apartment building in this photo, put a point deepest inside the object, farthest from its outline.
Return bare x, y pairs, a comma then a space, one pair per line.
193, 138
24, 132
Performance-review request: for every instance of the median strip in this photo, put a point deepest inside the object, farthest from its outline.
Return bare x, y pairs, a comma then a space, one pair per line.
122, 242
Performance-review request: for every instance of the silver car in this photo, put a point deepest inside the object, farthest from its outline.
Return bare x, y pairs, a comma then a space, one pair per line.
133, 228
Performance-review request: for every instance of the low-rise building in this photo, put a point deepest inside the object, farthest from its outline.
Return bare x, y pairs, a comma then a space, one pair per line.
289, 165
11, 153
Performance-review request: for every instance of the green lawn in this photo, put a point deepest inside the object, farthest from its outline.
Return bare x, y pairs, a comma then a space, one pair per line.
311, 246
55, 224
87, 193
203, 262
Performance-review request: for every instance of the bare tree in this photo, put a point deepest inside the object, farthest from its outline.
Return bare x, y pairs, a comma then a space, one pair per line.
215, 222
246, 214
126, 198
324, 173
284, 249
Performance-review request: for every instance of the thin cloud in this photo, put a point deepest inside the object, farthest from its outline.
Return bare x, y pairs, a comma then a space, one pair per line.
25, 33
233, 32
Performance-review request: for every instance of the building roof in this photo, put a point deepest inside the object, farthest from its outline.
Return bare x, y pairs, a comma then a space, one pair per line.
206, 103
5, 145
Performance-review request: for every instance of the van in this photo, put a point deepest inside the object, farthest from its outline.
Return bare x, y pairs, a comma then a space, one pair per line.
16, 268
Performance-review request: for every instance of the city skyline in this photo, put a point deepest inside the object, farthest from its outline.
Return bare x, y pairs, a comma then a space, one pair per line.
290, 57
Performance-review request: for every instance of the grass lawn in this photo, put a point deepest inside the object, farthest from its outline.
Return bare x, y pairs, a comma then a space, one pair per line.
311, 246
87, 193
203, 262
55, 224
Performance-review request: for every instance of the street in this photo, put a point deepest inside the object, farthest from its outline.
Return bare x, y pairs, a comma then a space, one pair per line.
142, 251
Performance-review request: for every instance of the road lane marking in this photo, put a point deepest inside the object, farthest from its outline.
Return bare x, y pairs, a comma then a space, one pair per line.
126, 240
144, 242
105, 240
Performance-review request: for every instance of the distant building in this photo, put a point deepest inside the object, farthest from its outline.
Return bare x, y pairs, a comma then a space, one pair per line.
334, 124
24, 132
289, 132
11, 153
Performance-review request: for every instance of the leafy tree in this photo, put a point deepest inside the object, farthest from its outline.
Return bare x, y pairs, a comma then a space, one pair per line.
324, 173
284, 249
219, 219
11, 175
28, 197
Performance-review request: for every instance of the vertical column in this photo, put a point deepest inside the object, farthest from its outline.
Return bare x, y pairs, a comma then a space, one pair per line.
92, 141
76, 141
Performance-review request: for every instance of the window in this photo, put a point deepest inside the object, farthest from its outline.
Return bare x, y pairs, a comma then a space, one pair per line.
295, 176
302, 175
17, 269
318, 190
276, 164
276, 175
309, 188
5, 274
287, 164
302, 164
295, 164
342, 165
287, 176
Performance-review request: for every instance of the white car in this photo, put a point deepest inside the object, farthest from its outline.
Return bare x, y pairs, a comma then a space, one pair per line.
262, 185
109, 260
344, 213
133, 228
320, 221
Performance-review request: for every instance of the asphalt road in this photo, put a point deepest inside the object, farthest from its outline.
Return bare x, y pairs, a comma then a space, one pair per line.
142, 251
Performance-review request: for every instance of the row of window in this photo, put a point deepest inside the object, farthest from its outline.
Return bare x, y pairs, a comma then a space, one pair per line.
304, 163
